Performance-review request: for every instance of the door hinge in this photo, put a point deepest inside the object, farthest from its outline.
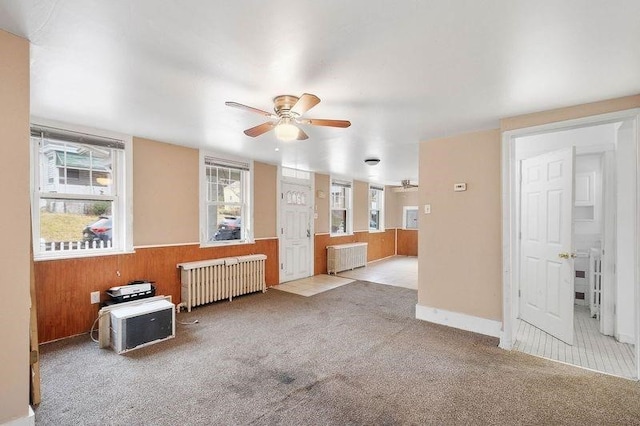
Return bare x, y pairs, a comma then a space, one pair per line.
519, 293
282, 266
282, 230
282, 195
520, 235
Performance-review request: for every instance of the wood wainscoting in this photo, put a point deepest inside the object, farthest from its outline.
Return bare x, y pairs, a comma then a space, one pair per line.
407, 242
63, 287
380, 245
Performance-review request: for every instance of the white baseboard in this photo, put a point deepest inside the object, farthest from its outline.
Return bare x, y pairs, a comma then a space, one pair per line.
458, 320
30, 420
625, 338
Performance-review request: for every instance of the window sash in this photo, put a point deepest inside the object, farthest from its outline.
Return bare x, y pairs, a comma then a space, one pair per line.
212, 187
67, 243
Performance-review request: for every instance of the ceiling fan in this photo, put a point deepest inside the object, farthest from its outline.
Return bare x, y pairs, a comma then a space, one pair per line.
406, 186
287, 113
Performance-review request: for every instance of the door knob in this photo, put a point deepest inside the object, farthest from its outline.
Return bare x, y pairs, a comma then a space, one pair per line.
566, 255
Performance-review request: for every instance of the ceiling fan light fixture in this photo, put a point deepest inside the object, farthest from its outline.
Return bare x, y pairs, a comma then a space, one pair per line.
285, 131
371, 161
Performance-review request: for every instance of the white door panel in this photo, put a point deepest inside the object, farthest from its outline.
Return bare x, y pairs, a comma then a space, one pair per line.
295, 237
546, 281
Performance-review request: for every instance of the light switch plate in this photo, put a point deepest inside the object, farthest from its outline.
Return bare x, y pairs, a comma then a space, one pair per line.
427, 208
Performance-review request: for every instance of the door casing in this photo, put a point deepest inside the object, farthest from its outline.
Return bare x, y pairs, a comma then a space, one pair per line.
511, 217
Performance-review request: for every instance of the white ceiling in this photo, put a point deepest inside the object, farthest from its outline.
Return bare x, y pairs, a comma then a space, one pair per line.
400, 71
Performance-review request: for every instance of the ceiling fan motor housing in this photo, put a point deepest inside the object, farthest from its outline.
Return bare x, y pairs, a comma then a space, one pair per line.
282, 106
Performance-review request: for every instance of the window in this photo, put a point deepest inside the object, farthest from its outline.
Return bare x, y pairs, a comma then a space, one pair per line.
225, 196
79, 193
376, 208
340, 207
410, 217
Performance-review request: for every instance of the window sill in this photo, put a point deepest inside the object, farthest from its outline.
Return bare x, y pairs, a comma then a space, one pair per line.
70, 255
225, 243
343, 234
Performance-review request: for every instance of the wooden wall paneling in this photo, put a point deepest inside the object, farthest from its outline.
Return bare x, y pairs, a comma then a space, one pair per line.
407, 242
381, 245
63, 287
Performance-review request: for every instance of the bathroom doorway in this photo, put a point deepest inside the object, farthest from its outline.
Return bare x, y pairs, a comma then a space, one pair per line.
571, 292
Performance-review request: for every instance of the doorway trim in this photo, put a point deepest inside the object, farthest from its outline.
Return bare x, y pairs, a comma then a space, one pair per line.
510, 217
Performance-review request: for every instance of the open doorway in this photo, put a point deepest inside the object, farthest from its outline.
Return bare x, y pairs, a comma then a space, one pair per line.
571, 242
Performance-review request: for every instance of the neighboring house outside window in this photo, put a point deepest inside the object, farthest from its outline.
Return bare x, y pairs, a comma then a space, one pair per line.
341, 214
80, 193
225, 200
376, 208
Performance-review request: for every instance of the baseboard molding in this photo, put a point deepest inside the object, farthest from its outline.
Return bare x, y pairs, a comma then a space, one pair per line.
29, 420
625, 338
459, 320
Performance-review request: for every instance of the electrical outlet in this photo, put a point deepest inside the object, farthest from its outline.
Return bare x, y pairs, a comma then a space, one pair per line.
95, 297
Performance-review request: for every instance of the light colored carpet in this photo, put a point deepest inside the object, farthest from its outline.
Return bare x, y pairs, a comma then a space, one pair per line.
349, 356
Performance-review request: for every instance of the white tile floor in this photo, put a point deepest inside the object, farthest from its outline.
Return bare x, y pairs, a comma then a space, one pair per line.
313, 285
590, 349
399, 271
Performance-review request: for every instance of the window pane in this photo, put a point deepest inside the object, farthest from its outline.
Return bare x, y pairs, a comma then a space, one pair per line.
339, 197
338, 221
374, 219
75, 225
74, 168
224, 222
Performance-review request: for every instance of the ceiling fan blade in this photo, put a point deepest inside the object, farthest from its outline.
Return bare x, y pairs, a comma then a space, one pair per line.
301, 135
328, 123
252, 109
305, 103
259, 129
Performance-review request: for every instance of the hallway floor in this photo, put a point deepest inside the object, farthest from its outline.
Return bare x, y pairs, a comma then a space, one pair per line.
591, 349
399, 271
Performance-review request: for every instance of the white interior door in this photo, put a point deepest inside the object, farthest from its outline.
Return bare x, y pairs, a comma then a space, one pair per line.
295, 232
546, 262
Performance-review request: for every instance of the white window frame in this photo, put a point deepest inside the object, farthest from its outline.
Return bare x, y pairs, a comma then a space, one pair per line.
380, 208
247, 198
348, 207
122, 200
405, 209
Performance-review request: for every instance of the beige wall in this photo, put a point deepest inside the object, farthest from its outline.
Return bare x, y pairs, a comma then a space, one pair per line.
360, 206
394, 203
390, 208
165, 191
460, 241
14, 219
166, 195
264, 200
322, 204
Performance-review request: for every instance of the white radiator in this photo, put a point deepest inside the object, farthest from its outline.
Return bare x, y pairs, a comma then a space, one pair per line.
346, 256
208, 281
595, 282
